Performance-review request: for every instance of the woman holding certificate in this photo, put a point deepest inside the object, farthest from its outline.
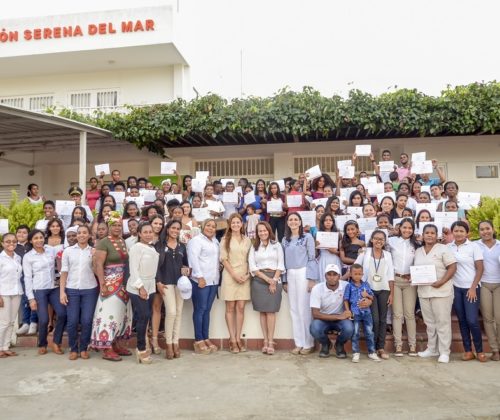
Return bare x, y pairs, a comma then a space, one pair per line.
275, 202
434, 267
327, 242
378, 271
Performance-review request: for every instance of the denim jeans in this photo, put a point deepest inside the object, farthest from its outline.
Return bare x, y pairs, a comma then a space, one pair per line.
319, 330
203, 298
468, 318
142, 314
43, 298
364, 317
278, 227
28, 316
80, 310
379, 316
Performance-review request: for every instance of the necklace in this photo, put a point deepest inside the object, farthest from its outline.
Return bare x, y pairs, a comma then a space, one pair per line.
119, 247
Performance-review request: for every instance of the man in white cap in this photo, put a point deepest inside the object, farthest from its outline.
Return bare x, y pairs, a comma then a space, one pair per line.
327, 306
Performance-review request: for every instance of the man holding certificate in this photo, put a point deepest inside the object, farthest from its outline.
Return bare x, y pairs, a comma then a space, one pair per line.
435, 290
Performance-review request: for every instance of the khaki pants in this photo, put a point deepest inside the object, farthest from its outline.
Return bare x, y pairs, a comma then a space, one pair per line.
437, 317
490, 309
8, 315
173, 312
403, 305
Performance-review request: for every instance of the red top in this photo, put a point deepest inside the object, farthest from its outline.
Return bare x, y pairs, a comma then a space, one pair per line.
92, 197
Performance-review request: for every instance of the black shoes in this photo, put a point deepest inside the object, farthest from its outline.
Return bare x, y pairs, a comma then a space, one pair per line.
339, 351
325, 350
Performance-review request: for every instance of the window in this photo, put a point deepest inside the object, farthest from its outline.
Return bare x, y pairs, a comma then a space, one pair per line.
487, 171
80, 100
328, 163
94, 99
230, 168
41, 103
16, 102
6, 193
106, 99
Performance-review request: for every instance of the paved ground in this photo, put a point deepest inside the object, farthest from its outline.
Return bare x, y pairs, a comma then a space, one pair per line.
246, 386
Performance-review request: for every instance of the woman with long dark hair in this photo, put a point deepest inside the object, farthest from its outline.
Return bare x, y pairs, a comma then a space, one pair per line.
277, 219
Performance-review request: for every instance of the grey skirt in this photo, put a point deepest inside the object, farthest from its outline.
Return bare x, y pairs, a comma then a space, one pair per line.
262, 299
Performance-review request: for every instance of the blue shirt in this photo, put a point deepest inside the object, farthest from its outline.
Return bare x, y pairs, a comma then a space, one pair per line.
299, 253
353, 295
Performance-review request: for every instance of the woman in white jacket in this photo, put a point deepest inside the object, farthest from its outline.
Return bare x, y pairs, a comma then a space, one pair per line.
378, 271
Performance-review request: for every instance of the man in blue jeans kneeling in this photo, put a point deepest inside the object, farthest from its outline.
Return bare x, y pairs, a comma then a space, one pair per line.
327, 306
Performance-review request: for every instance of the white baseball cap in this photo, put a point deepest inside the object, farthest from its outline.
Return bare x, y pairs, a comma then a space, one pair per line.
332, 267
185, 288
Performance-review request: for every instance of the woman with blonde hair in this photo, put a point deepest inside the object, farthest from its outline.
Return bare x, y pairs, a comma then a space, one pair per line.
235, 289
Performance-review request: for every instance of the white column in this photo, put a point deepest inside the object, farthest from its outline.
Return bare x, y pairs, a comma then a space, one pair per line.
82, 177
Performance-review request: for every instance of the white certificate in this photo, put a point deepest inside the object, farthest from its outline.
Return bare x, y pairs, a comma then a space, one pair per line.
168, 168
119, 196
274, 206
230, 197
308, 218
355, 211
345, 193
418, 157
397, 221
342, 163
294, 200
423, 274
148, 195
224, 181
202, 174
375, 189
239, 190
369, 233
347, 171
425, 188
314, 172
341, 220
213, 205
367, 223
430, 207
320, 202
327, 239
249, 198
281, 184
422, 167
198, 184
467, 200
137, 200
368, 180
41, 224
104, 167
4, 226
363, 149
386, 166
125, 228
201, 214
420, 229
391, 194
446, 218
177, 197
64, 207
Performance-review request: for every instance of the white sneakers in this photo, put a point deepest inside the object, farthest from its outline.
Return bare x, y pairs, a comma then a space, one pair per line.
444, 358
427, 353
23, 329
371, 356
355, 357
33, 328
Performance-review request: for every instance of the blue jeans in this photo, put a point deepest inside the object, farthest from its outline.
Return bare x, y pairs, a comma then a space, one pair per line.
142, 314
43, 298
28, 316
364, 317
319, 330
468, 318
203, 298
80, 310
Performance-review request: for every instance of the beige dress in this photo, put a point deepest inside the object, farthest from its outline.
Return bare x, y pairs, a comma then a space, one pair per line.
238, 258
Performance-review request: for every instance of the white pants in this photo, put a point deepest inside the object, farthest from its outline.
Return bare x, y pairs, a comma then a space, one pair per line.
300, 309
437, 317
8, 315
173, 308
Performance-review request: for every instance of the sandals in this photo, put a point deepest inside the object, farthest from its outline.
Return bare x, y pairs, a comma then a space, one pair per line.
213, 348
265, 347
241, 346
3, 355
233, 347
42, 351
10, 353
154, 344
177, 351
482, 357
270, 348
143, 357
110, 355
169, 352
201, 348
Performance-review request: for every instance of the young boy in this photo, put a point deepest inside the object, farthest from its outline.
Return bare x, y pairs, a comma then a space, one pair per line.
358, 290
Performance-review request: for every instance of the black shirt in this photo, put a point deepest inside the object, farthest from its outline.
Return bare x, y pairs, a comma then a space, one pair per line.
170, 263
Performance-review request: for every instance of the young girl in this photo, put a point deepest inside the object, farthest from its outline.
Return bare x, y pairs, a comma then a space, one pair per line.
251, 221
277, 219
350, 244
329, 255
333, 206
157, 223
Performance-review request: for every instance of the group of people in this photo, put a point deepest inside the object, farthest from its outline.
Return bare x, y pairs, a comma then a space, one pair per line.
107, 268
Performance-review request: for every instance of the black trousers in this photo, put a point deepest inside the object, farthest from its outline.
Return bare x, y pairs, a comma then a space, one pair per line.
379, 315
142, 315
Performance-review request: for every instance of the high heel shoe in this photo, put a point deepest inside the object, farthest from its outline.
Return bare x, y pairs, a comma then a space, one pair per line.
270, 348
213, 348
177, 351
169, 352
201, 348
233, 347
264, 347
155, 346
143, 357
241, 346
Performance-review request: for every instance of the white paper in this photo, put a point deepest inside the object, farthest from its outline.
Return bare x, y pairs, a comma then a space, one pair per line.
367, 223
177, 197
369, 233
398, 221
363, 149
368, 180
198, 185
213, 205
104, 167
41, 224
4, 226
357, 211
119, 196
425, 188
420, 230
347, 171
386, 165
202, 175
224, 181
342, 163
230, 197
281, 184
320, 202
341, 220
274, 206
239, 190
327, 239
201, 214
168, 168
345, 193
418, 157
249, 198
308, 218
467, 200
446, 218
422, 167
431, 207
375, 189
308, 198
125, 228
381, 196
294, 200
312, 173
137, 200
64, 207
148, 195
423, 274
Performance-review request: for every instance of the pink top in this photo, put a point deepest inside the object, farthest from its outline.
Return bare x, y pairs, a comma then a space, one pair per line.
92, 197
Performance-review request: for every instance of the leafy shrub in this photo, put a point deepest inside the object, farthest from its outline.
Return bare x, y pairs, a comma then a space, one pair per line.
21, 212
488, 210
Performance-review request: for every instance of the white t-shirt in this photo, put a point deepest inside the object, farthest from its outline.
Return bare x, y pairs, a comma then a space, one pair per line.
328, 301
466, 255
491, 261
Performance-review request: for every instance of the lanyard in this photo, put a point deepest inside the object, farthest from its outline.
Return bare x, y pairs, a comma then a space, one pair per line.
375, 262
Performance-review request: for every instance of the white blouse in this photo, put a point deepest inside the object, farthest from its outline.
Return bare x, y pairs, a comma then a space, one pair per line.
203, 257
270, 256
11, 271
386, 269
143, 264
39, 270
